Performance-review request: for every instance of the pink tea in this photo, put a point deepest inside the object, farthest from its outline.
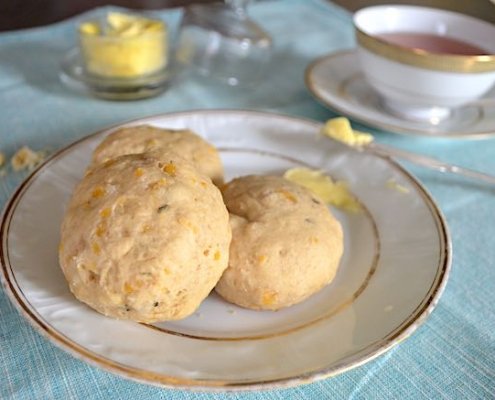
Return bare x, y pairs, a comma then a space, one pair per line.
433, 43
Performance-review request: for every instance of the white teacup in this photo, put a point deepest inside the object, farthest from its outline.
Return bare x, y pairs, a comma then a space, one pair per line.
415, 80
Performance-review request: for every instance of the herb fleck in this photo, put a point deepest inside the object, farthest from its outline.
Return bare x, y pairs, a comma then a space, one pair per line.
162, 208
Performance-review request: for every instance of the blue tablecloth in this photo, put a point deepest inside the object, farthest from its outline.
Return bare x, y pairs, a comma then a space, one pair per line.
451, 356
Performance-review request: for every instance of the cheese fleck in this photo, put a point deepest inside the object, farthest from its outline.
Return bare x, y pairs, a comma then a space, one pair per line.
269, 298
98, 192
170, 169
138, 172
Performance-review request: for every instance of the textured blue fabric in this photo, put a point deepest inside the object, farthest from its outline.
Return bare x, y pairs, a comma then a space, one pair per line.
451, 356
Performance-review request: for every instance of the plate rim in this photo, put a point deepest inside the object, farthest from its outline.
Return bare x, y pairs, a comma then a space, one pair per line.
407, 327
393, 128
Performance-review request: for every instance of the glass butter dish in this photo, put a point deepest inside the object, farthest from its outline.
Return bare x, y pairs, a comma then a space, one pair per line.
120, 56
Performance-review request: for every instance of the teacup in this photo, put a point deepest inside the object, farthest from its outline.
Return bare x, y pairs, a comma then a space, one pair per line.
424, 62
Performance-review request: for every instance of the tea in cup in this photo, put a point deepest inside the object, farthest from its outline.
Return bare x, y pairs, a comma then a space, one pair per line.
424, 62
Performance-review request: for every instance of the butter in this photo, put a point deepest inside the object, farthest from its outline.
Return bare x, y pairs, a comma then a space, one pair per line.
392, 184
340, 129
123, 46
321, 185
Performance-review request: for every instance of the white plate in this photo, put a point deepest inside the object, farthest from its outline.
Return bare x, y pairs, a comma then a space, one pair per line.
395, 266
337, 82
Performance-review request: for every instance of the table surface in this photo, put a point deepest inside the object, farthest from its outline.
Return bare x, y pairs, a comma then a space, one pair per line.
451, 356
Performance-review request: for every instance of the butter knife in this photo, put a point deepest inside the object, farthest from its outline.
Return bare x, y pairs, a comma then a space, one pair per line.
428, 162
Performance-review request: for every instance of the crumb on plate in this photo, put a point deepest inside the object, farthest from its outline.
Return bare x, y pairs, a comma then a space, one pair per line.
25, 158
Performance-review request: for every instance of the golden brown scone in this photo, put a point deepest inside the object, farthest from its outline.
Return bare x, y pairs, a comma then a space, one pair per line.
286, 245
144, 238
146, 138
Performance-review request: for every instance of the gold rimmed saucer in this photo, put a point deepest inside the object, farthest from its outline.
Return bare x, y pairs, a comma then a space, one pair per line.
337, 82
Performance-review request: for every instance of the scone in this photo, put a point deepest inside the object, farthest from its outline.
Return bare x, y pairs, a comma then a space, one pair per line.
144, 238
286, 245
145, 138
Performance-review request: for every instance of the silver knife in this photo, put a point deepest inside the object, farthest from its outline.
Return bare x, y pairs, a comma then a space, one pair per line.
428, 162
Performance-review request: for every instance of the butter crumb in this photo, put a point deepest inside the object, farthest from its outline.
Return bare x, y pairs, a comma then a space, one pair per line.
340, 129
334, 193
392, 184
25, 158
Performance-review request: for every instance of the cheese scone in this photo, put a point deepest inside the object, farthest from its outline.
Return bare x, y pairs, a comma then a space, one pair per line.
145, 237
146, 138
286, 245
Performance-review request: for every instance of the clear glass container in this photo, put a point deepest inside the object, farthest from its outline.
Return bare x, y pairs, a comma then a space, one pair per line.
221, 42
120, 56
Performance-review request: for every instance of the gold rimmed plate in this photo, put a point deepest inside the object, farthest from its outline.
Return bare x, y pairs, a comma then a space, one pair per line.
337, 82
395, 266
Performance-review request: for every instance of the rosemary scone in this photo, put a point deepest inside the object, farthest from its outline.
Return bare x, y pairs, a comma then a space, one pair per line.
146, 138
286, 245
144, 238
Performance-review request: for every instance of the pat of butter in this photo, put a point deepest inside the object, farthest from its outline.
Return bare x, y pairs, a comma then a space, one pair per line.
340, 129
123, 46
334, 193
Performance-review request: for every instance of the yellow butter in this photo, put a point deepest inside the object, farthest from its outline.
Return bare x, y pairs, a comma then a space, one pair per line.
340, 129
123, 46
392, 184
334, 193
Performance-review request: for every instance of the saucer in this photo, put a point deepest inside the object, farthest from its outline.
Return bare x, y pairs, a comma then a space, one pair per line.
74, 75
337, 82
